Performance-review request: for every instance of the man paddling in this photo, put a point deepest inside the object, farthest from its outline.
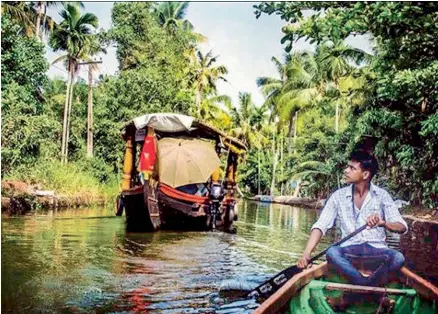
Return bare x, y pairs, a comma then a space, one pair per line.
359, 203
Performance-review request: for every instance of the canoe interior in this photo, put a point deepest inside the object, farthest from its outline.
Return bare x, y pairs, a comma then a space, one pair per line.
311, 299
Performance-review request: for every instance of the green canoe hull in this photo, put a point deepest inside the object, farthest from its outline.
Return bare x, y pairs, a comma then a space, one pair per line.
312, 300
307, 292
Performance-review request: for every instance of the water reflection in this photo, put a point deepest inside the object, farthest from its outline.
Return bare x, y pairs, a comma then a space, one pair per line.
83, 260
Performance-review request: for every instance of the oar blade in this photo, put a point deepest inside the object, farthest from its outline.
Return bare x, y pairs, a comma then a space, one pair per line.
268, 288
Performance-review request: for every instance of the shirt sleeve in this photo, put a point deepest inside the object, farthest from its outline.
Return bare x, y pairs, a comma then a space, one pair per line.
391, 211
328, 216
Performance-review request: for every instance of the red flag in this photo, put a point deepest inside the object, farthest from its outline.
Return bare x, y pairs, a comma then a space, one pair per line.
148, 153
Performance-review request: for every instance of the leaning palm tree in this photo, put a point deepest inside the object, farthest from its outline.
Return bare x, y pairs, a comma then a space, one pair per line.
204, 77
73, 36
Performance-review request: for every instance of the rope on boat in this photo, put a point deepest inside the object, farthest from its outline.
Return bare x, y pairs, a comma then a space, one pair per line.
384, 295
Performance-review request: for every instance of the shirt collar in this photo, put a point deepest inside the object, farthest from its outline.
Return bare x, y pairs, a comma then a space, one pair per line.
349, 191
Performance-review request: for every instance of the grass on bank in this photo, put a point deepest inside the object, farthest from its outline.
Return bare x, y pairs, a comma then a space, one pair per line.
86, 179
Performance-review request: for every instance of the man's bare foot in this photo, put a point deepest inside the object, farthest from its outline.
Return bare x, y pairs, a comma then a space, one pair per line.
387, 304
338, 304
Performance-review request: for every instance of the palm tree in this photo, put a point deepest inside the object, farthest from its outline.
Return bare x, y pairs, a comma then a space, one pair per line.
273, 87
249, 120
298, 88
303, 89
215, 109
312, 170
205, 75
41, 9
171, 14
336, 59
22, 13
47, 23
74, 35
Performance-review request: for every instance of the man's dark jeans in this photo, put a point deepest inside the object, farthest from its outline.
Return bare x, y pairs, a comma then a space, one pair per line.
339, 259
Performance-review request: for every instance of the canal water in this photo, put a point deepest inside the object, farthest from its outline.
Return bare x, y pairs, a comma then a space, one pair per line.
82, 261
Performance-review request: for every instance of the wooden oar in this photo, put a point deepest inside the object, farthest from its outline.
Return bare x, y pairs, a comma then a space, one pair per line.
269, 287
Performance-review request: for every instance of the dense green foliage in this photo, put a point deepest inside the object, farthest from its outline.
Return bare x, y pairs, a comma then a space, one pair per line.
29, 127
318, 107
400, 107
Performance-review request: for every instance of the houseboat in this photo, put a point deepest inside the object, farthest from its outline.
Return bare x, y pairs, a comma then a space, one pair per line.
178, 173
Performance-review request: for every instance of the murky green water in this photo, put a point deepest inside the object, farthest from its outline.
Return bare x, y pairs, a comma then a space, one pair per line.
84, 261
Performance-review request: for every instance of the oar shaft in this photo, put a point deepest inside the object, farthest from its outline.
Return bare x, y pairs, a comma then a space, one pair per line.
317, 256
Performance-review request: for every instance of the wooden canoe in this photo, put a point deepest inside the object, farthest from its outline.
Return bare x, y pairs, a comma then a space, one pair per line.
305, 293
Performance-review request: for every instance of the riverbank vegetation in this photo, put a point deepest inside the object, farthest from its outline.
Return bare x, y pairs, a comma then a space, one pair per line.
318, 107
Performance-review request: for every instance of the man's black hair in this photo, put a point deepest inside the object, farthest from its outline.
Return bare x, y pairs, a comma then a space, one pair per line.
367, 161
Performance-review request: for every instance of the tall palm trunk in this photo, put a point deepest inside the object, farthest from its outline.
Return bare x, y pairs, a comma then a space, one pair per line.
337, 110
258, 168
69, 117
297, 189
198, 102
274, 164
290, 135
90, 113
38, 21
281, 164
295, 130
66, 107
